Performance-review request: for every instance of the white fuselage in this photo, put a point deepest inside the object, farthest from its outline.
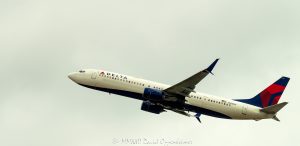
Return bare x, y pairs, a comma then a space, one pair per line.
110, 82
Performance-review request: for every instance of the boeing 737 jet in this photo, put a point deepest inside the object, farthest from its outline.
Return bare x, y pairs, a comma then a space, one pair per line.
182, 98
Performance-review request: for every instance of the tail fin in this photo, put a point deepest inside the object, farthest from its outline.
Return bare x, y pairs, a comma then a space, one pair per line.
269, 96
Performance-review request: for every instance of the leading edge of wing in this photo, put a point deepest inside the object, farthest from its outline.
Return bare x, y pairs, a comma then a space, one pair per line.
186, 86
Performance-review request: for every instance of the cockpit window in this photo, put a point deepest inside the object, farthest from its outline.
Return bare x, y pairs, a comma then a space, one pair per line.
82, 71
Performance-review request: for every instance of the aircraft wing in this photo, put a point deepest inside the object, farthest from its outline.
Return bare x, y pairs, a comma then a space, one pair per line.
185, 87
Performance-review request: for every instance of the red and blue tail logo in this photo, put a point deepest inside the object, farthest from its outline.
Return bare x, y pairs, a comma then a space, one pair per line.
270, 95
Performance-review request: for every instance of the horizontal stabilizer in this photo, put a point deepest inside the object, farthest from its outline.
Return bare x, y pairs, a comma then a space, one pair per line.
273, 109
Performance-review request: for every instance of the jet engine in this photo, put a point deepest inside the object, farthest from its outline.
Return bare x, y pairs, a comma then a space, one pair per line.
151, 107
153, 94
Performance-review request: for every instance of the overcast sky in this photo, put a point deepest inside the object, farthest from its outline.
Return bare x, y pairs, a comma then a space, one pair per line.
258, 41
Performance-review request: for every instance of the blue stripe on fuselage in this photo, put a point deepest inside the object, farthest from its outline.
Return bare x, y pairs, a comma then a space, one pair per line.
140, 97
206, 111
119, 92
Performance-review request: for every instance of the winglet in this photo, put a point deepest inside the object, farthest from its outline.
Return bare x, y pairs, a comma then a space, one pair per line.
210, 68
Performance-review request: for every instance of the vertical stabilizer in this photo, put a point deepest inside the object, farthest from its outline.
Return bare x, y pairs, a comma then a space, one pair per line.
269, 96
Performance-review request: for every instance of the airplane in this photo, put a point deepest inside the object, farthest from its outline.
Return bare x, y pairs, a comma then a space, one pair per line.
182, 98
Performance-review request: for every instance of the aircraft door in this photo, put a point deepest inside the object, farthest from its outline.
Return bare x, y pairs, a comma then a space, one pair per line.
94, 75
244, 110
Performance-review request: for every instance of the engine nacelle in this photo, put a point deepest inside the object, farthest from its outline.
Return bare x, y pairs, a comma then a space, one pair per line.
151, 107
153, 94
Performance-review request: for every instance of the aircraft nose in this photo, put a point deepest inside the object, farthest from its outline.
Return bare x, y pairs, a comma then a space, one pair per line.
72, 76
